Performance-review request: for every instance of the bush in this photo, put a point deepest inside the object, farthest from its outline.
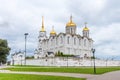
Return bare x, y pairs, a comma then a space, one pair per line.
30, 57
61, 54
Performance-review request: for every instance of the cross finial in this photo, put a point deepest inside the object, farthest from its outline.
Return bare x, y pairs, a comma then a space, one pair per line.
71, 18
52, 28
85, 24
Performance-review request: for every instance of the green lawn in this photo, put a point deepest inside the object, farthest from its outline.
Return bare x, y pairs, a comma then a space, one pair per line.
34, 77
85, 70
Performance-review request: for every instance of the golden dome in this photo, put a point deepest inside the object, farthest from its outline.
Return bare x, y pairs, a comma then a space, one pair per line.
70, 23
42, 30
53, 31
85, 28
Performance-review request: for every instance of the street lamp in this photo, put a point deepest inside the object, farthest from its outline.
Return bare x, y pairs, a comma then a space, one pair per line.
93, 51
67, 60
21, 59
25, 45
12, 60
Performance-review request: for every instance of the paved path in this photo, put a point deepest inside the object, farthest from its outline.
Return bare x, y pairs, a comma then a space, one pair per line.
5, 67
115, 75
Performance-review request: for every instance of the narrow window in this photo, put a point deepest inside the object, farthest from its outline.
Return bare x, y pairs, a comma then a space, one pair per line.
71, 30
61, 40
74, 41
68, 39
85, 42
79, 42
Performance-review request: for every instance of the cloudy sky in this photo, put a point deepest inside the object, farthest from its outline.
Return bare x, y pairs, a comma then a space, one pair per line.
20, 16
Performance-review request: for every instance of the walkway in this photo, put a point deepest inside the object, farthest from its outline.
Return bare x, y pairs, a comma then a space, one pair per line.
107, 76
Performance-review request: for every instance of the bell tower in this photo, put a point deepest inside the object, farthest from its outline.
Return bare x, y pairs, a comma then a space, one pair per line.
85, 31
42, 32
42, 36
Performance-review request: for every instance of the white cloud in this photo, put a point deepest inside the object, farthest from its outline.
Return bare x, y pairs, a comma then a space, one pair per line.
106, 39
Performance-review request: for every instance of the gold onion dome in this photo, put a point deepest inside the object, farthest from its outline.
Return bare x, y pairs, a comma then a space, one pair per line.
70, 23
53, 31
42, 29
85, 28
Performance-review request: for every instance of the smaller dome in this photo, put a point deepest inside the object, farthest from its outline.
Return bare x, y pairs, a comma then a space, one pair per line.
42, 30
53, 31
85, 29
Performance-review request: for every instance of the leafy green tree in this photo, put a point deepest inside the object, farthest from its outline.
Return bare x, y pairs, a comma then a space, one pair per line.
4, 51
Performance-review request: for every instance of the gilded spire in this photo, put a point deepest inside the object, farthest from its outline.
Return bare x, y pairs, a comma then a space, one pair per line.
42, 24
85, 28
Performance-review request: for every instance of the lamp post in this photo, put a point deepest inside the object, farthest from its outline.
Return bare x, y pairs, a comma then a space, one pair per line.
12, 60
93, 51
25, 45
21, 59
67, 60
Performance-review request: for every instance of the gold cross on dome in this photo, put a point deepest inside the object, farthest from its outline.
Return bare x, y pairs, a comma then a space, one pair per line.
85, 24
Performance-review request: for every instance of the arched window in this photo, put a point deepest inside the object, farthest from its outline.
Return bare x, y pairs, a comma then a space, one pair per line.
68, 41
74, 41
56, 41
51, 41
71, 30
85, 42
61, 39
79, 42
85, 55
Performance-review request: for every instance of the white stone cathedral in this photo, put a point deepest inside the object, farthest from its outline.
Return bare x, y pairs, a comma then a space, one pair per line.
69, 43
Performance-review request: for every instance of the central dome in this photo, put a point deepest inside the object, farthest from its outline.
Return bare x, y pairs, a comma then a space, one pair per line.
70, 23
53, 31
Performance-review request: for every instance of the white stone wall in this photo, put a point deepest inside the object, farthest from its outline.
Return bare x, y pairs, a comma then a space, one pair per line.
67, 62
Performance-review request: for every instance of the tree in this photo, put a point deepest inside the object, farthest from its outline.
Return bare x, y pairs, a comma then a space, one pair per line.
4, 51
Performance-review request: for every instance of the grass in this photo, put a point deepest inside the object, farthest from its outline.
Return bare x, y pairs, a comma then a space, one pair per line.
84, 70
34, 77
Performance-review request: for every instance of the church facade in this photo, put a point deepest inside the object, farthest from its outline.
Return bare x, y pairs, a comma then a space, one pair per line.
67, 43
